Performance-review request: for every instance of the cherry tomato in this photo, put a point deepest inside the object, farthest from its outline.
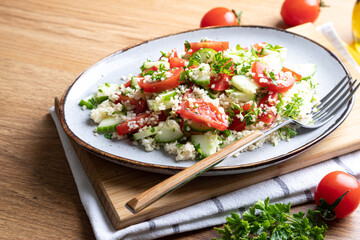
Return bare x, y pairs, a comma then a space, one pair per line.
266, 102
295, 75
140, 121
282, 83
296, 12
219, 16
140, 105
159, 86
204, 113
217, 46
333, 185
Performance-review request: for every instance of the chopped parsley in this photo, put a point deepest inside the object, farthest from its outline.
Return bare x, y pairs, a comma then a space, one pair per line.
227, 132
221, 64
275, 48
271, 75
179, 145
289, 133
195, 59
187, 46
292, 109
108, 135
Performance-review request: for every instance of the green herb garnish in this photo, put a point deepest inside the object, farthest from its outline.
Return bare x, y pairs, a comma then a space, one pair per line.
108, 135
221, 64
292, 109
273, 221
187, 46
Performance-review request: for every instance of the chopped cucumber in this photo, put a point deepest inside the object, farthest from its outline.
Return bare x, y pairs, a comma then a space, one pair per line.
134, 83
244, 97
103, 91
207, 54
155, 105
306, 71
108, 125
244, 84
100, 99
281, 51
166, 96
206, 144
198, 127
170, 132
163, 102
202, 81
89, 102
158, 64
201, 75
212, 94
146, 133
273, 60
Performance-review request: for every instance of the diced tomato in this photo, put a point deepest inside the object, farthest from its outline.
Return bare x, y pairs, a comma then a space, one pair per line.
142, 120
259, 46
236, 124
172, 53
177, 62
283, 81
217, 46
140, 104
296, 75
270, 99
204, 113
159, 86
153, 68
266, 102
127, 84
220, 82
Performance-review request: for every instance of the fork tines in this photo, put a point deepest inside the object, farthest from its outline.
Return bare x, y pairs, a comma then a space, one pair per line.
335, 99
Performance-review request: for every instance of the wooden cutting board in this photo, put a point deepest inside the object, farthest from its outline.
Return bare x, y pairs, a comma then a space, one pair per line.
115, 184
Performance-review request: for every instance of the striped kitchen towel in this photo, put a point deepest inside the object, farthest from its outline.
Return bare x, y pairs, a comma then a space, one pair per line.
297, 187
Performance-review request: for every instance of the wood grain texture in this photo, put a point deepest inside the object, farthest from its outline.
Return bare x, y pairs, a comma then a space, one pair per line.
44, 46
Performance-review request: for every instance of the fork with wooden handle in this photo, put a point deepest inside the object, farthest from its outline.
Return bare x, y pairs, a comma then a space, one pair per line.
329, 106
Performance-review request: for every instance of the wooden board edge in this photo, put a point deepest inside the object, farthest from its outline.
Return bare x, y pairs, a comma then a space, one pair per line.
85, 159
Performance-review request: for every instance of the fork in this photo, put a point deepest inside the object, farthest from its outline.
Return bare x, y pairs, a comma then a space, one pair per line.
324, 112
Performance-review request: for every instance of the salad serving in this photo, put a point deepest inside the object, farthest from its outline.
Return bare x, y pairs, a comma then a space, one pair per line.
195, 103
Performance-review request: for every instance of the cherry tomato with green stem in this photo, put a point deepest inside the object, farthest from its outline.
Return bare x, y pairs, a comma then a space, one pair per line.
331, 188
296, 12
220, 16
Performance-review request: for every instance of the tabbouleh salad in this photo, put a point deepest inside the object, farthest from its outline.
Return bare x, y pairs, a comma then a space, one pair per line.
195, 103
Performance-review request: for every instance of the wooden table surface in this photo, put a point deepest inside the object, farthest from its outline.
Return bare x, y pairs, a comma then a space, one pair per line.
44, 46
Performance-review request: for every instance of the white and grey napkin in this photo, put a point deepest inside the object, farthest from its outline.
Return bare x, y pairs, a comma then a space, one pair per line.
297, 187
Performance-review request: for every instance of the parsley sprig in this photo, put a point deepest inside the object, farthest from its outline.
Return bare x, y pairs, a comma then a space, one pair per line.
221, 64
273, 221
275, 48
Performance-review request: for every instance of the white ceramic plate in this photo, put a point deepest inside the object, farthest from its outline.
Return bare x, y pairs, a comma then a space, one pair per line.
79, 127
